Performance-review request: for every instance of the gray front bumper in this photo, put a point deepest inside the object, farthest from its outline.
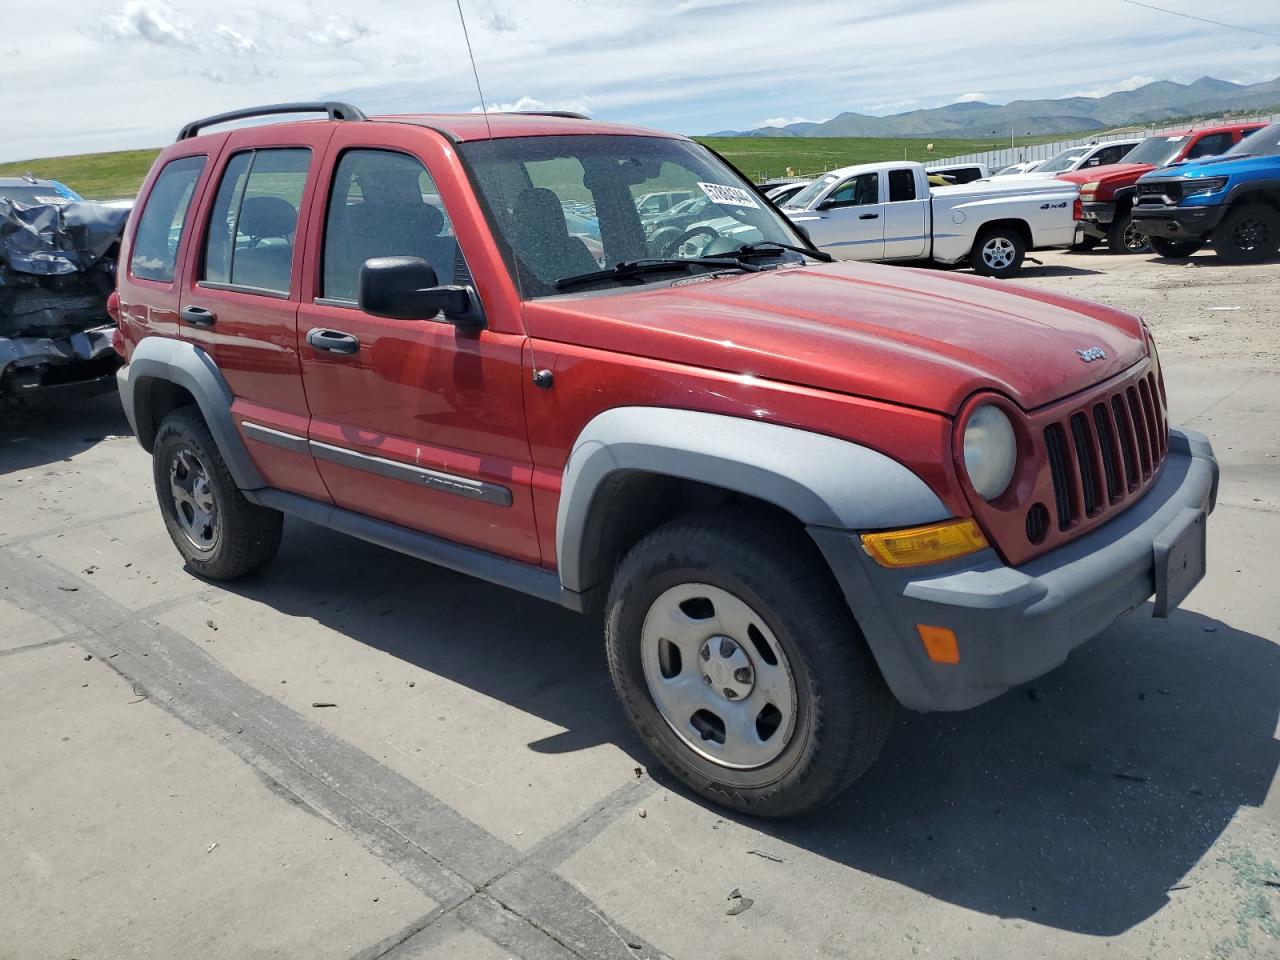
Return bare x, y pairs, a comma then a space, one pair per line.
1013, 625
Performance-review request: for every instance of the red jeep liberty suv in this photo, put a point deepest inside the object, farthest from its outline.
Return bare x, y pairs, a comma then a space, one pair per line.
796, 490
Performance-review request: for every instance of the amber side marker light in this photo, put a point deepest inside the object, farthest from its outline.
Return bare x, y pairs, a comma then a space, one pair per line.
920, 545
939, 643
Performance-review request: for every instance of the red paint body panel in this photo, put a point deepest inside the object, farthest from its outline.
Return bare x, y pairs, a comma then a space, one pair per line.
913, 337
1116, 176
589, 381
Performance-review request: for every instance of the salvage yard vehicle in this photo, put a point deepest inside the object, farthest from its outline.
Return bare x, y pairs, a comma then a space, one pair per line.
1233, 199
780, 195
31, 190
797, 490
1106, 193
1083, 158
888, 211
57, 269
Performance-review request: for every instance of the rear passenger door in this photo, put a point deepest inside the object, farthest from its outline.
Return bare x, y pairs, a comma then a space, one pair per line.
416, 422
240, 303
905, 214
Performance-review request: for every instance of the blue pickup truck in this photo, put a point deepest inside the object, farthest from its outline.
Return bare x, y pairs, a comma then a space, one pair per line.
1232, 199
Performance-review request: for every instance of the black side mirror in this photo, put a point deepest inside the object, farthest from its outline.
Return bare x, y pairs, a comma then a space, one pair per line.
827, 205
407, 288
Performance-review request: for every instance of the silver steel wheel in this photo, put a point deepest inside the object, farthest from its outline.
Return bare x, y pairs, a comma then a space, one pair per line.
1135, 241
998, 253
718, 676
193, 505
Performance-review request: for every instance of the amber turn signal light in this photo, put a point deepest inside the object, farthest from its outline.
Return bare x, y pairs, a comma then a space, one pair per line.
939, 643
919, 545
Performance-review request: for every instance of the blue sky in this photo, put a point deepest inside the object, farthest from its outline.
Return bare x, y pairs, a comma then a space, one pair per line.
116, 74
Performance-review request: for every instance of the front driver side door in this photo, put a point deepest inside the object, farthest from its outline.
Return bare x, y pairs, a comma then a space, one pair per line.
849, 222
416, 422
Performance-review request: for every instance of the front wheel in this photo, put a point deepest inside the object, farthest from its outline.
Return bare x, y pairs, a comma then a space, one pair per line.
1164, 247
219, 533
1249, 233
739, 664
998, 252
1123, 236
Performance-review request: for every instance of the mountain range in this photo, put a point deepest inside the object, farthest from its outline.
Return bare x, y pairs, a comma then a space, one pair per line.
1153, 103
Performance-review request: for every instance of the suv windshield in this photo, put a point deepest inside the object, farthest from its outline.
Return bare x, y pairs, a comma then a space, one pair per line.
1156, 151
1261, 143
532, 186
1063, 161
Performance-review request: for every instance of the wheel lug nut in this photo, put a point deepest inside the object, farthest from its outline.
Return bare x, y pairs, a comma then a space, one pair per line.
729, 694
727, 648
707, 681
742, 675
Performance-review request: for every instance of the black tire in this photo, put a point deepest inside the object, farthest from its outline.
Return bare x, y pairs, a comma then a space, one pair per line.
1249, 233
242, 536
843, 710
998, 252
1164, 247
1124, 237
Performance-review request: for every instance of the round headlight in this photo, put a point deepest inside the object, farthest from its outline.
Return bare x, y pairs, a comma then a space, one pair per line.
990, 451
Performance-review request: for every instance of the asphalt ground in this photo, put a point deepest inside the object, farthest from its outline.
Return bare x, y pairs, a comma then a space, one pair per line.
169, 786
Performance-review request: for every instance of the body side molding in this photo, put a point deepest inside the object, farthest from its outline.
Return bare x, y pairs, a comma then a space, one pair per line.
820, 480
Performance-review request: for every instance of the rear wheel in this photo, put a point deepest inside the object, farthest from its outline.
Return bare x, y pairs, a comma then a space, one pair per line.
1164, 247
739, 664
219, 533
1249, 233
998, 252
1124, 237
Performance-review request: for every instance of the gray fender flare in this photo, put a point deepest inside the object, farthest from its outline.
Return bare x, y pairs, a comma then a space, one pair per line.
820, 480
189, 367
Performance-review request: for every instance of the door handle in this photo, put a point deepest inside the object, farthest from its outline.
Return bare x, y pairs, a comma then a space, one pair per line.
332, 341
199, 316
869, 216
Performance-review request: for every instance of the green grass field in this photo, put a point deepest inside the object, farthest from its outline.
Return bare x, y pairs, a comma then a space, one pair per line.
106, 176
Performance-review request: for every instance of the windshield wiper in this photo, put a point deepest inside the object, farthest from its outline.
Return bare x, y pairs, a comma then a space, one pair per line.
772, 248
635, 268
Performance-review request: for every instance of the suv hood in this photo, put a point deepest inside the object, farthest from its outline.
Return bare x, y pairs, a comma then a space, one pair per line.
914, 337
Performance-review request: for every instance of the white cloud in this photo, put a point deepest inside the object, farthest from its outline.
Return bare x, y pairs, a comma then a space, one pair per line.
150, 22
893, 106
972, 98
786, 121
338, 32
527, 104
1102, 90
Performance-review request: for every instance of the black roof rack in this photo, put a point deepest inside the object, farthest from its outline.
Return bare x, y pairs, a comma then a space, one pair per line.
564, 114
334, 108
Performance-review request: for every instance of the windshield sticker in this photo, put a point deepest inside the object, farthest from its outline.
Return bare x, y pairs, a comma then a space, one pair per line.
56, 201
729, 196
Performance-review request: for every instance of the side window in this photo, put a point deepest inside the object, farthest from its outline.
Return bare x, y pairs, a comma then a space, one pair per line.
1209, 146
859, 191
155, 245
383, 204
1108, 155
254, 219
902, 185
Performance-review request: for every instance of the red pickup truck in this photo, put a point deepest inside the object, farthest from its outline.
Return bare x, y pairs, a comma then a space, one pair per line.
795, 490
1106, 193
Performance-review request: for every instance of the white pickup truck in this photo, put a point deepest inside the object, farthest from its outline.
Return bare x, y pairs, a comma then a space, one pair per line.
888, 211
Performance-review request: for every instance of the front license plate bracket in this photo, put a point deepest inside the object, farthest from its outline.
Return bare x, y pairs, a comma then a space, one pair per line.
1179, 559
